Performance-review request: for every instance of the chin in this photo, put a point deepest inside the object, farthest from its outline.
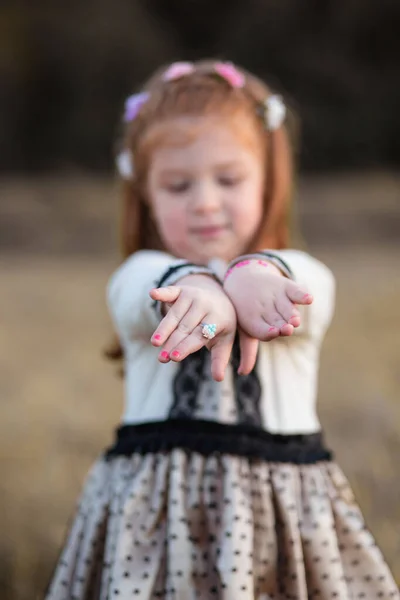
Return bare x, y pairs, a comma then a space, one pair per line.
205, 259
208, 251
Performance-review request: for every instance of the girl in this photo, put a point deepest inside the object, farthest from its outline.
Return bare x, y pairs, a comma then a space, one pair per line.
218, 484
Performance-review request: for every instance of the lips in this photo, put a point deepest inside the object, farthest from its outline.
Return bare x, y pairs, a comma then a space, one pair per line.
209, 230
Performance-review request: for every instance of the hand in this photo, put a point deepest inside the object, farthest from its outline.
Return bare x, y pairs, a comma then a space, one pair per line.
200, 299
265, 300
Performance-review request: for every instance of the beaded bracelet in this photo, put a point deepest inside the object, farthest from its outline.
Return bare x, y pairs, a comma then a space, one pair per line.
243, 263
270, 258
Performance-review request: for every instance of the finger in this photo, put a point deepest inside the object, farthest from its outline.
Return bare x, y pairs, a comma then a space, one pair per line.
298, 295
273, 317
165, 294
288, 310
268, 332
285, 329
220, 355
195, 340
259, 326
248, 353
171, 320
189, 322
191, 343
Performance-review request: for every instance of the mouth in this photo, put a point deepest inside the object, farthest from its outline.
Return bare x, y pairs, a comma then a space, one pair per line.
209, 231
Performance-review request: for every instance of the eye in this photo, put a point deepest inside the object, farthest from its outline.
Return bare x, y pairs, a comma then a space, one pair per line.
178, 187
229, 180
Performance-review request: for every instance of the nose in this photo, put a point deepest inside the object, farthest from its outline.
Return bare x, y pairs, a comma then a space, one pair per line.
206, 198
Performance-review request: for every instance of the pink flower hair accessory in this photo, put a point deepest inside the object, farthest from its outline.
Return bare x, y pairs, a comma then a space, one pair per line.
133, 104
230, 73
178, 70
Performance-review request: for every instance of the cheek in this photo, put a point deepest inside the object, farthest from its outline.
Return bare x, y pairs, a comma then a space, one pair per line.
248, 215
172, 226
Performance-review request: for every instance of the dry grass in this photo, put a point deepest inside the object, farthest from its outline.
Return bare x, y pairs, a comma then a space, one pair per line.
60, 401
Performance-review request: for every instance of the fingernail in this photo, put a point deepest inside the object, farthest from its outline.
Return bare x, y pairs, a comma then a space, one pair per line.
175, 354
157, 336
307, 297
164, 354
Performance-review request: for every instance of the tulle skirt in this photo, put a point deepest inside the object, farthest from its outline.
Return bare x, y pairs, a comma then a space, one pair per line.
181, 525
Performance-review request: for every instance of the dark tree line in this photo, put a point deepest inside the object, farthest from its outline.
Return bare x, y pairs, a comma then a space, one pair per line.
66, 67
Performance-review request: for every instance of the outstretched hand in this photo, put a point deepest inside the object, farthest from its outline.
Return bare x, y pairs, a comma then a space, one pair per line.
265, 300
196, 300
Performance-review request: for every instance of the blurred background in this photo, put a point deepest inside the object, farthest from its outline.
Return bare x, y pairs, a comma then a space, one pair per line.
65, 70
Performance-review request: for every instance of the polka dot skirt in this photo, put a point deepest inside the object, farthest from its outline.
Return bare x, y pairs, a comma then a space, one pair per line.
183, 526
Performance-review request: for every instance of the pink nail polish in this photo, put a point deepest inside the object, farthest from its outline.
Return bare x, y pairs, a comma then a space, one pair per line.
164, 354
175, 354
157, 336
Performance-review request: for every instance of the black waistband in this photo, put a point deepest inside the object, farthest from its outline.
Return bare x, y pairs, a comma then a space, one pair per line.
210, 437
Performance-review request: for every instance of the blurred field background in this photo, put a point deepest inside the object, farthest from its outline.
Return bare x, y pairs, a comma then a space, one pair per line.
65, 70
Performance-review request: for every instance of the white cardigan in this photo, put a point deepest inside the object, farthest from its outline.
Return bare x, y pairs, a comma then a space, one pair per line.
287, 367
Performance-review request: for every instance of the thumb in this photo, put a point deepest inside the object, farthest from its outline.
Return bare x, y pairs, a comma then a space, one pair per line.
248, 352
298, 295
168, 294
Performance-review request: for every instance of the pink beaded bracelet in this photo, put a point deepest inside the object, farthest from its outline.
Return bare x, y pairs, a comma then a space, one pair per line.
244, 263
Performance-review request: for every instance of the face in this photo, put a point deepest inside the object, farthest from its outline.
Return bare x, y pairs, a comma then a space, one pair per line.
206, 192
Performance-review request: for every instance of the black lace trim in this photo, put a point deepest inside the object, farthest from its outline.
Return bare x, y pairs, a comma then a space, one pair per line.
247, 391
187, 384
210, 437
171, 270
195, 369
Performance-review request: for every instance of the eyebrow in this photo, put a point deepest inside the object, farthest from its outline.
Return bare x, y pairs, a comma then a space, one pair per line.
229, 164
174, 172
179, 171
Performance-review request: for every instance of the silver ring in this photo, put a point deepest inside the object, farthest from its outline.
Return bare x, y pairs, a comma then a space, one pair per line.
208, 330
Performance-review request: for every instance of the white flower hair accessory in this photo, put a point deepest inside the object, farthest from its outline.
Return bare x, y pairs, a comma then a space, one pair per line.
124, 163
274, 112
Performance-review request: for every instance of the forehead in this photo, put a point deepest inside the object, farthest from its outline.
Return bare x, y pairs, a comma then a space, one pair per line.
192, 139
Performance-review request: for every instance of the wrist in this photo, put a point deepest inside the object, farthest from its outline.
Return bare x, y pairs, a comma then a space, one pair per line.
180, 273
199, 279
254, 264
268, 256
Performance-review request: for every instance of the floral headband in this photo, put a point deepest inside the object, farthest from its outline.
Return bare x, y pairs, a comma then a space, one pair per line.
273, 109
